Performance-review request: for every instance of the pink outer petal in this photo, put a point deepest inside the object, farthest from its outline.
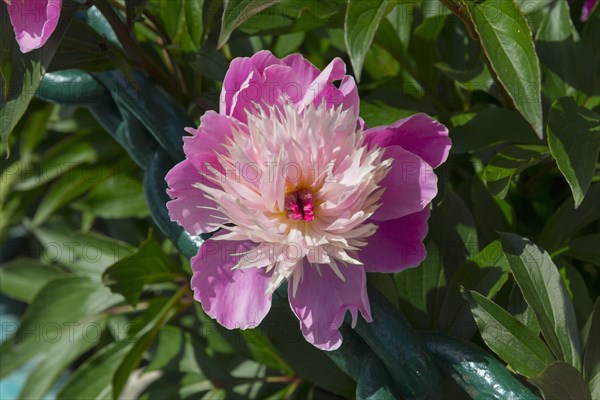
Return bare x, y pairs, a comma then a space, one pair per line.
265, 89
349, 92
588, 6
263, 78
201, 149
208, 140
315, 86
33, 21
420, 134
321, 88
322, 300
239, 70
242, 83
187, 206
397, 244
236, 298
304, 69
410, 185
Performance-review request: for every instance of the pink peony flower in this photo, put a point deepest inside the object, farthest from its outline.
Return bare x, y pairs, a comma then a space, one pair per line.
33, 21
300, 192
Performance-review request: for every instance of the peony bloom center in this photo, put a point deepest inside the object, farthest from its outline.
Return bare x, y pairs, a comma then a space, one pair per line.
301, 184
300, 205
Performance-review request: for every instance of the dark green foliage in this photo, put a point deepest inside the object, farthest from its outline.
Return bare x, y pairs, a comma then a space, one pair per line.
514, 235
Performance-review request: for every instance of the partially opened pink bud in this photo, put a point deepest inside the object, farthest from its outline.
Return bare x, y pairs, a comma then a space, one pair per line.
301, 193
588, 6
33, 21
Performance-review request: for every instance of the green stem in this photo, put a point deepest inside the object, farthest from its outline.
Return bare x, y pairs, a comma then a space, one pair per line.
461, 12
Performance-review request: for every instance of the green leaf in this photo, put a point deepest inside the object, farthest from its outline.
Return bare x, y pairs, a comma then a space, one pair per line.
167, 348
591, 355
585, 248
508, 45
26, 70
64, 157
492, 214
557, 35
377, 113
15, 356
361, 23
58, 357
92, 380
52, 318
131, 361
306, 16
545, 292
587, 61
380, 64
171, 16
584, 332
508, 163
83, 48
68, 188
23, 278
281, 328
453, 228
423, 40
491, 126
84, 253
486, 274
154, 319
263, 351
519, 309
386, 284
247, 344
193, 20
286, 44
560, 381
393, 34
135, 9
119, 196
34, 128
574, 140
528, 8
236, 12
578, 291
567, 220
210, 63
452, 240
178, 385
421, 289
54, 304
476, 78
252, 382
14, 206
177, 360
147, 265
400, 20
522, 349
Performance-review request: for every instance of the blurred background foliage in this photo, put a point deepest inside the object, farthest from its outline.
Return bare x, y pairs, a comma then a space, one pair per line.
105, 299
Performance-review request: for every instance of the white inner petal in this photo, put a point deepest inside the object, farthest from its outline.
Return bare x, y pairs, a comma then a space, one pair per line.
317, 158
